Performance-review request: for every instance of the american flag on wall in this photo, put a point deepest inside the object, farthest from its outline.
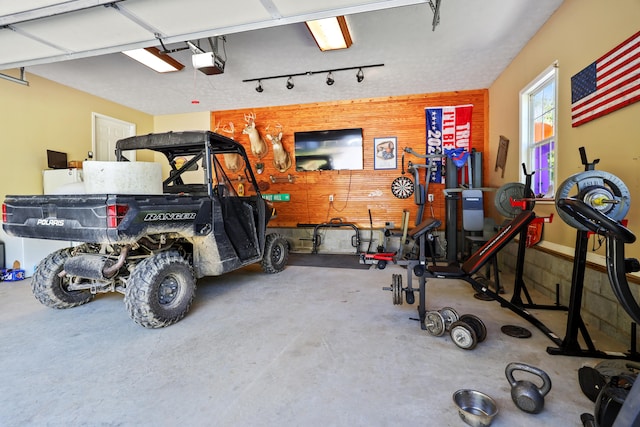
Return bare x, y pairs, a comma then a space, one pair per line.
608, 84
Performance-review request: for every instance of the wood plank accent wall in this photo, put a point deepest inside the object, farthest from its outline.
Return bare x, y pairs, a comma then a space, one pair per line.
355, 192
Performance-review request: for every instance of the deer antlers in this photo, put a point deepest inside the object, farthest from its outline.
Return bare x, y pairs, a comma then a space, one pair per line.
281, 159
258, 146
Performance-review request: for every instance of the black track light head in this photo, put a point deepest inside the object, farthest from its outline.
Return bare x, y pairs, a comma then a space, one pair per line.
360, 76
330, 79
259, 88
290, 83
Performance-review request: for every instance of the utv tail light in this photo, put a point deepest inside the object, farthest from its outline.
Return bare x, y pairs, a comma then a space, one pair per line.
115, 214
4, 213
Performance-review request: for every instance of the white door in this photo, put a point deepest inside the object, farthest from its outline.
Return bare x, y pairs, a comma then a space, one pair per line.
106, 132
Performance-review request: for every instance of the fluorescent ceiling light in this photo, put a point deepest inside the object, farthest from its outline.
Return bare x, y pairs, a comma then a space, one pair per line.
330, 33
152, 58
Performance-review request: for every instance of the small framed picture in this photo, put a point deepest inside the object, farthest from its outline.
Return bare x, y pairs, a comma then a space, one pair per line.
385, 153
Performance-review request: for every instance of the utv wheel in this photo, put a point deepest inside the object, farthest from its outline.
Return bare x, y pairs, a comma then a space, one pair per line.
160, 290
50, 289
276, 252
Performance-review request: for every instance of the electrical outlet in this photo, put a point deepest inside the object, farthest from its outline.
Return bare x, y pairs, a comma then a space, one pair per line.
430, 197
331, 197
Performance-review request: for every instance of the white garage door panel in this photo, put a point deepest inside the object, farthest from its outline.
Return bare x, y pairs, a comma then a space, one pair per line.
10, 7
181, 17
87, 29
16, 47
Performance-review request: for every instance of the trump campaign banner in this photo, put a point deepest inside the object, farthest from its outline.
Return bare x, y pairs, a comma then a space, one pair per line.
449, 134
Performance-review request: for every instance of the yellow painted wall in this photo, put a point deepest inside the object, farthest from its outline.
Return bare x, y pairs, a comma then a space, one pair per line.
182, 122
578, 33
48, 115
40, 116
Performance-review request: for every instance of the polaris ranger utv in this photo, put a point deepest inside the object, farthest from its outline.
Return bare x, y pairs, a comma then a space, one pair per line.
152, 247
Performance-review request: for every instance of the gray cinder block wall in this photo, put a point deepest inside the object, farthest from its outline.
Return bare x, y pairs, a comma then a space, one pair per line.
600, 309
330, 240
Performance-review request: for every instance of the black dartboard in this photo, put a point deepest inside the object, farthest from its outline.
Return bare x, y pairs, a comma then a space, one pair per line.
402, 187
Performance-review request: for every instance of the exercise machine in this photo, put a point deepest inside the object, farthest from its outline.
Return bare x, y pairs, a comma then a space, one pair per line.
467, 272
598, 191
452, 191
601, 191
607, 196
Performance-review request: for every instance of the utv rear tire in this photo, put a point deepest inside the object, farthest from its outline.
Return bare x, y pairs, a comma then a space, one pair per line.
50, 289
160, 290
276, 253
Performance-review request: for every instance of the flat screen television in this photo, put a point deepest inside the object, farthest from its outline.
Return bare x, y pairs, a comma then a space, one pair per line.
56, 160
329, 150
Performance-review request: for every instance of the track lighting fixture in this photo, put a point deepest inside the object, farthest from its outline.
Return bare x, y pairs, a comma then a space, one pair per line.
330, 80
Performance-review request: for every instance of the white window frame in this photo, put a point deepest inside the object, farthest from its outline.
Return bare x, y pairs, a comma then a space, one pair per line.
526, 122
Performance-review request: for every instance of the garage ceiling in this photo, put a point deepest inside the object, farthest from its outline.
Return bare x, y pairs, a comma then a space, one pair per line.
469, 48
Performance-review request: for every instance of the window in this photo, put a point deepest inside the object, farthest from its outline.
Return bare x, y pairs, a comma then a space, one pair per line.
538, 131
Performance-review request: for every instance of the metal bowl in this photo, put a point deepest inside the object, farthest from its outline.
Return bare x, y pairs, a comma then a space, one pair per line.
475, 408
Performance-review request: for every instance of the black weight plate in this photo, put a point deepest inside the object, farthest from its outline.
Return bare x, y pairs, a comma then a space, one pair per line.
591, 382
516, 331
484, 282
482, 296
515, 191
477, 324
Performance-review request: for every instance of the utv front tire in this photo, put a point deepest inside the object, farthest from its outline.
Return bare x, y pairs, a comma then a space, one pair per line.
160, 290
276, 253
50, 289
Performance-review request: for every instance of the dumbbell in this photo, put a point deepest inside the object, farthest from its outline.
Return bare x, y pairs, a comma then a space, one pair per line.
438, 322
468, 331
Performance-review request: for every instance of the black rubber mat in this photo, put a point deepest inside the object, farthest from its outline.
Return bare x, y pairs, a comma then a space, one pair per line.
327, 261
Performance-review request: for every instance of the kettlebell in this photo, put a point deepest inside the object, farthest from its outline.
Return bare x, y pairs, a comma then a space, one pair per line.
526, 395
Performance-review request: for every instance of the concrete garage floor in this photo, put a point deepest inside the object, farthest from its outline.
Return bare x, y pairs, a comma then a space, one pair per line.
306, 347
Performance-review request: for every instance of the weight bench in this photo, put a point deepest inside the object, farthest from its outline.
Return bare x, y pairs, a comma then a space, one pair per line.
472, 265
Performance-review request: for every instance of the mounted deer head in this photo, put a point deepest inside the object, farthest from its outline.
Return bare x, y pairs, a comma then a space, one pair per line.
258, 146
233, 161
281, 159
215, 129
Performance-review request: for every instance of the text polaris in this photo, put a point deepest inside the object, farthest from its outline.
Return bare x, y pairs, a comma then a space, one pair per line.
51, 222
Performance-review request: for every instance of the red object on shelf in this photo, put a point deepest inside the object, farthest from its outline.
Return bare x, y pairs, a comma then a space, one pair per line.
534, 229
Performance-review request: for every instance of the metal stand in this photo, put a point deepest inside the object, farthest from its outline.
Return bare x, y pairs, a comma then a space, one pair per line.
570, 345
519, 286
